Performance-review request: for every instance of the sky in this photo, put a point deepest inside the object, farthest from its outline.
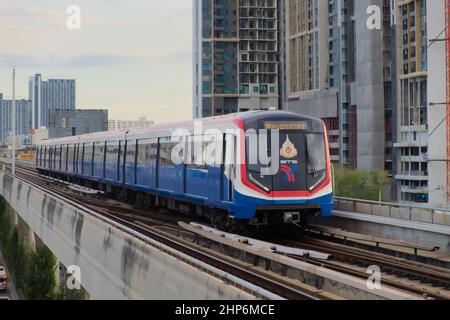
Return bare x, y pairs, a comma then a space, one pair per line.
132, 57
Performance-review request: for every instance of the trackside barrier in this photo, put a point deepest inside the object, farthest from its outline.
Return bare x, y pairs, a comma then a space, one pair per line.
394, 210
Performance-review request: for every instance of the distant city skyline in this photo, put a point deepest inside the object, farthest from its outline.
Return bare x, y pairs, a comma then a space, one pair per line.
133, 67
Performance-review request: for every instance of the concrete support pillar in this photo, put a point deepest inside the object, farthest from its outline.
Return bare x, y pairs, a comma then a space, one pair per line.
60, 275
13, 214
26, 235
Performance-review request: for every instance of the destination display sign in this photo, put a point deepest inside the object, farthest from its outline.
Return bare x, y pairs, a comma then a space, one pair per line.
286, 125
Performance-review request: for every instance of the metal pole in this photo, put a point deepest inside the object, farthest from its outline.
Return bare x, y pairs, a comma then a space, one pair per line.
13, 126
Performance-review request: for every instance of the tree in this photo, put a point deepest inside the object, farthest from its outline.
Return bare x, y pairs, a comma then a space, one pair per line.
360, 184
380, 180
40, 277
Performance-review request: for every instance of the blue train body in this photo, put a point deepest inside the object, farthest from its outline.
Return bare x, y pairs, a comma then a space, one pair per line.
138, 161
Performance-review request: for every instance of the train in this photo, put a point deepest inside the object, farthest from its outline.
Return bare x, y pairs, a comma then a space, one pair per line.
254, 168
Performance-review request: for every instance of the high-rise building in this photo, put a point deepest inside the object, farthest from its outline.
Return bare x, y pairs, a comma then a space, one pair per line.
23, 117
50, 94
411, 146
235, 56
306, 68
336, 69
64, 123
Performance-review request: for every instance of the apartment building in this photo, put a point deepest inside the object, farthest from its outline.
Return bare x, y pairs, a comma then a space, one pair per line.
235, 56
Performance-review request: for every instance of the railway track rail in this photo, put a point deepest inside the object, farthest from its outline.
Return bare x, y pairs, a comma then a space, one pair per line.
273, 285
344, 259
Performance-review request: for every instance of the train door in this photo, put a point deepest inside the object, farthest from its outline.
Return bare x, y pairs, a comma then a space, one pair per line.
228, 167
111, 160
121, 162
80, 156
64, 158
50, 157
212, 150
75, 158
147, 151
169, 176
130, 162
197, 172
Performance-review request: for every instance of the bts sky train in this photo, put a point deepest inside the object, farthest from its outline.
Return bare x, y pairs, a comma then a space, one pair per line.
215, 171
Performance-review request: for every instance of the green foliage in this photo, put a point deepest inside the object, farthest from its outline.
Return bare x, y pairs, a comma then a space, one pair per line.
360, 184
40, 276
32, 272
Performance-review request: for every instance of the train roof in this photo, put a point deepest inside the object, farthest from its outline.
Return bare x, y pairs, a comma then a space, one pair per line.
121, 134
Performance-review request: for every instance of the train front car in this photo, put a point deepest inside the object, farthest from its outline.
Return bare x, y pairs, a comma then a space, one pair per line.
285, 171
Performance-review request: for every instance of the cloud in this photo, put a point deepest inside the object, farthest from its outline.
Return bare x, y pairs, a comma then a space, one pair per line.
179, 56
51, 61
96, 60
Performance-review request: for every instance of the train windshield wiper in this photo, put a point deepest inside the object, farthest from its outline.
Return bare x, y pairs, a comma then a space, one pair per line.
311, 164
259, 184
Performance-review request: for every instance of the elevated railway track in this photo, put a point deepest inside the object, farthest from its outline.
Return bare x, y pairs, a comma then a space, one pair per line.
268, 271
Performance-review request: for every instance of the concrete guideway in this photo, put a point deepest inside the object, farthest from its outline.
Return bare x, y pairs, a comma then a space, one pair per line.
114, 263
336, 283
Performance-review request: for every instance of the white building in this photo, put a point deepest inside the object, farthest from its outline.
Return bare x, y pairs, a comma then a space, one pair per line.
38, 135
129, 124
438, 187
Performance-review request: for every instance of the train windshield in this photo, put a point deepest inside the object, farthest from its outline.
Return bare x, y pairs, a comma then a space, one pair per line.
301, 157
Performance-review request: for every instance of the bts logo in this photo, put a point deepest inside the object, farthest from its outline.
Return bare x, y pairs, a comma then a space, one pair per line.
290, 171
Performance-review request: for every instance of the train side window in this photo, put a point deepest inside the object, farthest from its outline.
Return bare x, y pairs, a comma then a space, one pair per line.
50, 157
63, 162
121, 153
99, 152
131, 152
147, 151
75, 158
112, 152
87, 156
70, 157
60, 157
165, 151
55, 156
213, 149
45, 157
195, 152
80, 151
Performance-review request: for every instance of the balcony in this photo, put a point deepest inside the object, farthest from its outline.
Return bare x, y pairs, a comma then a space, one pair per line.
412, 176
413, 189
